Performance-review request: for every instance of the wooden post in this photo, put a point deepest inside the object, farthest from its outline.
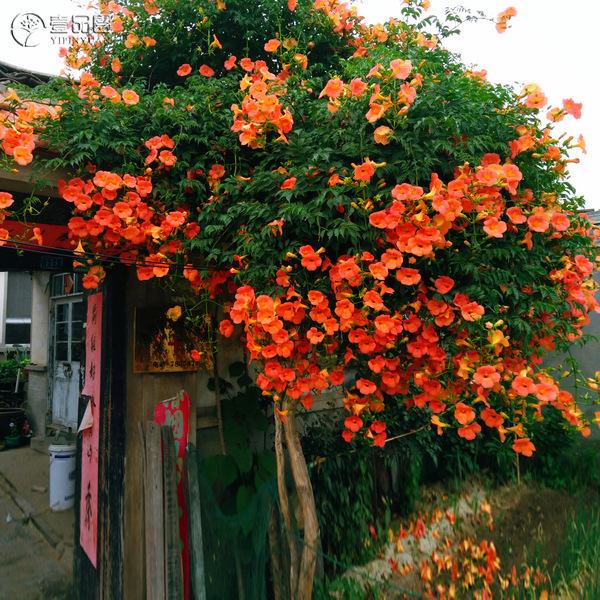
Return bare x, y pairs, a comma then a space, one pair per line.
106, 581
195, 525
153, 501
173, 564
286, 509
302, 589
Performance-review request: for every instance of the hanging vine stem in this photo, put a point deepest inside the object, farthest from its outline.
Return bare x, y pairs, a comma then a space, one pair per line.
317, 461
213, 330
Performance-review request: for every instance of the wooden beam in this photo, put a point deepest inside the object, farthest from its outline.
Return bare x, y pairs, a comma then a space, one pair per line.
21, 180
153, 501
173, 563
195, 525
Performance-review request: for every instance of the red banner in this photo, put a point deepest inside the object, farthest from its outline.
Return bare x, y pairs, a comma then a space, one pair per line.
90, 427
176, 413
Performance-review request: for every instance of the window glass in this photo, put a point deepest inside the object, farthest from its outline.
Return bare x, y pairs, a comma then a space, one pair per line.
62, 313
18, 301
78, 311
76, 351
68, 330
62, 351
57, 285
67, 284
17, 325
78, 279
17, 333
76, 336
62, 332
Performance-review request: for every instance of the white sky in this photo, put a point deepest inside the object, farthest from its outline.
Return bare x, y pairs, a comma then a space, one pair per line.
550, 42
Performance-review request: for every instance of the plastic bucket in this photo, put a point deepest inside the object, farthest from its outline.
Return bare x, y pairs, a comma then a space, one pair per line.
62, 477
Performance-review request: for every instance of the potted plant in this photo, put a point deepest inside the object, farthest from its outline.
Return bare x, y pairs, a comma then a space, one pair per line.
9, 418
12, 370
12, 377
13, 439
8, 373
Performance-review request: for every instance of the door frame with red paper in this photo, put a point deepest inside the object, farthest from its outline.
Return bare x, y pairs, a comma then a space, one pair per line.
175, 412
90, 430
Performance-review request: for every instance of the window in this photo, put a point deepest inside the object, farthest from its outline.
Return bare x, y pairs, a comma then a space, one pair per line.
67, 289
15, 308
68, 330
67, 284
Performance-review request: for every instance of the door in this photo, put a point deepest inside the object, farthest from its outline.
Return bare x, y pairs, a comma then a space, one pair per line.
66, 345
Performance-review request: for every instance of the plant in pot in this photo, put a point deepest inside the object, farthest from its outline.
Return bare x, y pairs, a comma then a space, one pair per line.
13, 439
8, 373
13, 375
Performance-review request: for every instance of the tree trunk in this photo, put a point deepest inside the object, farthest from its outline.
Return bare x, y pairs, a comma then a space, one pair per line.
284, 501
303, 587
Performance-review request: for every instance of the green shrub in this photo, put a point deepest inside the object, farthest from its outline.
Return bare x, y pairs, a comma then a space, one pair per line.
238, 475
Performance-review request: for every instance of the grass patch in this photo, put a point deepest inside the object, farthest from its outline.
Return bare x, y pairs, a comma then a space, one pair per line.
577, 569
575, 574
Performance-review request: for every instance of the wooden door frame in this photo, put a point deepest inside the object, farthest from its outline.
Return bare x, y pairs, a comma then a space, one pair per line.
106, 581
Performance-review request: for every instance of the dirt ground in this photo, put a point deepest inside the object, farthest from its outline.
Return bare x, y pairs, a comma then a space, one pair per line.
526, 519
529, 519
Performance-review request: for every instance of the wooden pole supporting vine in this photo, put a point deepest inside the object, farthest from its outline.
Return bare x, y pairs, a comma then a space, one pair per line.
285, 505
306, 574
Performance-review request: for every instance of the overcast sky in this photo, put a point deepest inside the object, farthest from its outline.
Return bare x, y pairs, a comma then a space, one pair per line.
551, 43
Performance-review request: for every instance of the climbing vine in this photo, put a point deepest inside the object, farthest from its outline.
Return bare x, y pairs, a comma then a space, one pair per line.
389, 223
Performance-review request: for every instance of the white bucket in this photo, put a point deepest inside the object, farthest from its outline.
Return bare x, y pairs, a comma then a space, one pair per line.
62, 477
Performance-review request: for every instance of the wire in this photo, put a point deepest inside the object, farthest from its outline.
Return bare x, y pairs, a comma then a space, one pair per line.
97, 257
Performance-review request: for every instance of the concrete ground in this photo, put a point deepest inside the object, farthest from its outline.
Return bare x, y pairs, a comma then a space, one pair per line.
36, 543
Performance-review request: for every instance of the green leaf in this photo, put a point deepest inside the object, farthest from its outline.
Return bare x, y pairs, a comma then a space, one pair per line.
267, 464
245, 380
237, 369
226, 469
235, 433
246, 404
244, 497
243, 457
211, 468
258, 421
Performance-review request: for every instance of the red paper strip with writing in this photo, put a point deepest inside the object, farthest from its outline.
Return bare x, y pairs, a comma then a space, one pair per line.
88, 520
